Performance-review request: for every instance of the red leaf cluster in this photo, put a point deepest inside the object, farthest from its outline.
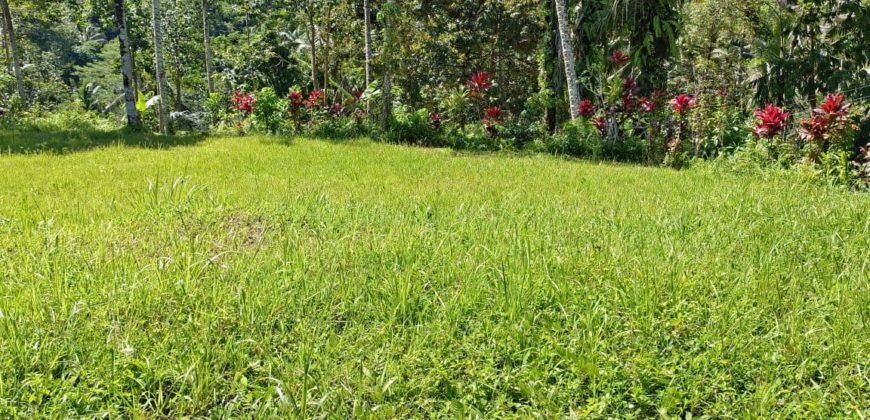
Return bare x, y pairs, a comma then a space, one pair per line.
772, 120
830, 118
647, 105
244, 102
480, 82
296, 101
492, 116
435, 119
683, 103
619, 58
601, 124
586, 108
315, 99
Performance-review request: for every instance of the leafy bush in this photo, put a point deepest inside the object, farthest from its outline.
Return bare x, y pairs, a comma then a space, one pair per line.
218, 110
579, 138
268, 114
413, 127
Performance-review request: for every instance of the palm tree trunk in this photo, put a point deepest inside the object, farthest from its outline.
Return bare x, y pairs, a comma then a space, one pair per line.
368, 25
207, 41
325, 37
312, 43
10, 33
126, 65
389, 43
568, 56
549, 60
159, 68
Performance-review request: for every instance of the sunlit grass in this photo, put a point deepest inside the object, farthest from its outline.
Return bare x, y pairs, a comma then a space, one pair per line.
248, 277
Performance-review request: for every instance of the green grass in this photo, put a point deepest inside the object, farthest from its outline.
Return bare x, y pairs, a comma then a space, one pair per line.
246, 277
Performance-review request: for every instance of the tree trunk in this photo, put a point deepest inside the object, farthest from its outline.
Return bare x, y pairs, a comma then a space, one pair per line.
367, 11
10, 34
549, 61
207, 42
568, 56
158, 66
368, 26
126, 65
325, 36
312, 41
5, 47
389, 43
387, 92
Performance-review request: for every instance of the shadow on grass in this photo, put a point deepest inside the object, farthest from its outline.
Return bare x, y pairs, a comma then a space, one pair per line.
29, 141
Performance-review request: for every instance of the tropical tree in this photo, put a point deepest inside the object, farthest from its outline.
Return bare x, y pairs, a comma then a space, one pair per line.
126, 64
568, 57
9, 32
388, 16
367, 11
206, 35
160, 72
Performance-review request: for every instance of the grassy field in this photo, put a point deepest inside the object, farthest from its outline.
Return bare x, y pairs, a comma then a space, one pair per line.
249, 277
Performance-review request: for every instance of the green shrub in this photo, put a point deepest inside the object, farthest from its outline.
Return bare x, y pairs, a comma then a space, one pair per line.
577, 138
268, 114
218, 110
413, 127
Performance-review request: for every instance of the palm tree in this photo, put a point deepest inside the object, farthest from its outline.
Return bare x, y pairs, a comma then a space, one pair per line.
158, 64
126, 65
10, 34
368, 25
568, 56
207, 41
390, 41
312, 40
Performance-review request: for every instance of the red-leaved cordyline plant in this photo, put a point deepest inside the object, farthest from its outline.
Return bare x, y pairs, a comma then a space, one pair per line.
772, 121
647, 105
829, 123
834, 105
628, 103
619, 58
435, 120
315, 99
586, 108
296, 101
830, 119
601, 124
244, 102
479, 83
337, 109
682, 103
491, 117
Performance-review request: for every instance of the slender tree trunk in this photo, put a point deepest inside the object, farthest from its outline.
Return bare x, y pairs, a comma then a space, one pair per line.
10, 34
568, 56
159, 68
126, 65
368, 26
389, 44
549, 61
137, 76
207, 42
325, 36
312, 42
5, 47
179, 96
387, 92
